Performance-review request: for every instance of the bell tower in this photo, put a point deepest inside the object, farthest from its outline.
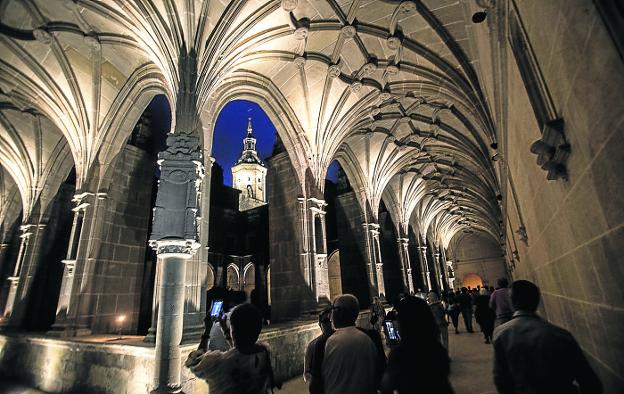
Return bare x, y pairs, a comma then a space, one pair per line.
249, 173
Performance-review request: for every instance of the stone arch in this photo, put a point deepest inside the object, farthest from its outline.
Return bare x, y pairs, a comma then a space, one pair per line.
233, 277
471, 279
260, 90
249, 278
210, 276
133, 105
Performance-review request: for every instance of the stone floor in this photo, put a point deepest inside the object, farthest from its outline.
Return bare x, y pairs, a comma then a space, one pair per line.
471, 366
471, 369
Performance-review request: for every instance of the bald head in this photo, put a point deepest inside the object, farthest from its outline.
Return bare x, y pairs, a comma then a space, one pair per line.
345, 310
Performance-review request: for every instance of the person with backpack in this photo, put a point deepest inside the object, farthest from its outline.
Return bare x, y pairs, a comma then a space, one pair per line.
244, 369
347, 361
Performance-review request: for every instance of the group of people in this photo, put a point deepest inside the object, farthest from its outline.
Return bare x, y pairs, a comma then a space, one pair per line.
530, 354
346, 359
490, 307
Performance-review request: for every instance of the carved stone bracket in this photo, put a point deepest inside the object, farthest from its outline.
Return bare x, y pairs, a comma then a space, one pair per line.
552, 150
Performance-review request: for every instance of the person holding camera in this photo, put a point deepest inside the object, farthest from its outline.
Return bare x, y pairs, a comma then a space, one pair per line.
419, 362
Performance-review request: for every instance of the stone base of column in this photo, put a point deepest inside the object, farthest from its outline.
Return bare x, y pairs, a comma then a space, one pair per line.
8, 309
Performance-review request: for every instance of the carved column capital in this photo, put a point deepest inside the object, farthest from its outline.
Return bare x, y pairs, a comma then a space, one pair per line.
183, 248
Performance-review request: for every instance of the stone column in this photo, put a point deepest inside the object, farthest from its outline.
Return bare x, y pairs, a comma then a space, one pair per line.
373, 229
80, 200
151, 332
24, 273
304, 247
445, 272
425, 267
32, 236
370, 266
172, 257
319, 249
174, 236
438, 271
4, 247
406, 264
14, 278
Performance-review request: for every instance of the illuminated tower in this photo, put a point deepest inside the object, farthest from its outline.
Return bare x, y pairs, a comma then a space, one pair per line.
249, 174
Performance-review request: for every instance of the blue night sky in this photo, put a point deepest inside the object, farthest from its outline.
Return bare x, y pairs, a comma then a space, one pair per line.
230, 129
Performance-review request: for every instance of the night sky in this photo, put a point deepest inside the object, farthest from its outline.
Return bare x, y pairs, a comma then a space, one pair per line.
230, 129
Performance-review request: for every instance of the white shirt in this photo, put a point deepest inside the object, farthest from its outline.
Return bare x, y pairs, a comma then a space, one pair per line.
349, 363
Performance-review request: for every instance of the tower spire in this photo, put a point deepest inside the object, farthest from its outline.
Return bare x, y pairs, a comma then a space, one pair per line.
249, 127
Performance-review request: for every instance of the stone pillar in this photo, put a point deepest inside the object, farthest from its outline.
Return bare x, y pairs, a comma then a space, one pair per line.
370, 265
408, 280
445, 272
438, 271
151, 332
77, 300
14, 278
425, 267
319, 249
373, 229
80, 200
172, 257
174, 236
4, 247
24, 273
304, 247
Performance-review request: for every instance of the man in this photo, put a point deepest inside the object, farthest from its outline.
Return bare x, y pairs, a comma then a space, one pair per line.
534, 356
465, 305
350, 354
326, 330
500, 302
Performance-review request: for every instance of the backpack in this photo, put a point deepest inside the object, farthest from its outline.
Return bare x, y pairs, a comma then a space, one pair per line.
316, 371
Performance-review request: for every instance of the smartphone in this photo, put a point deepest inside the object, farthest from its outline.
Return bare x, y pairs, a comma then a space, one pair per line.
391, 331
216, 308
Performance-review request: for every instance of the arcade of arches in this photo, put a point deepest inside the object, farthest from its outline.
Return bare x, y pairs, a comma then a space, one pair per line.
474, 139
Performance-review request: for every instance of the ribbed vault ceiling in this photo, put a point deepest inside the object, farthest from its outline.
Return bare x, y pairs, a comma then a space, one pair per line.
389, 88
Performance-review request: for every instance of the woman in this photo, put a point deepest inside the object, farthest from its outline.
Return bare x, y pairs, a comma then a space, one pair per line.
419, 363
484, 315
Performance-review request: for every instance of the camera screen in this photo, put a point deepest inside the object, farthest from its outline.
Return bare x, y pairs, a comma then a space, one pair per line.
215, 310
392, 334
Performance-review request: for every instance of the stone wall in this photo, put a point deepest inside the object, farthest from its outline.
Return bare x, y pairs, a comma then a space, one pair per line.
351, 243
290, 294
119, 273
105, 367
393, 277
478, 254
574, 227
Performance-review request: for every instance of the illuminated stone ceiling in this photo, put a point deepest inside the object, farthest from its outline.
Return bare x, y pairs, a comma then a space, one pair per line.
389, 88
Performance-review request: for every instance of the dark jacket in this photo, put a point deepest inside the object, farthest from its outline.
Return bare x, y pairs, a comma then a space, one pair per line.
534, 356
